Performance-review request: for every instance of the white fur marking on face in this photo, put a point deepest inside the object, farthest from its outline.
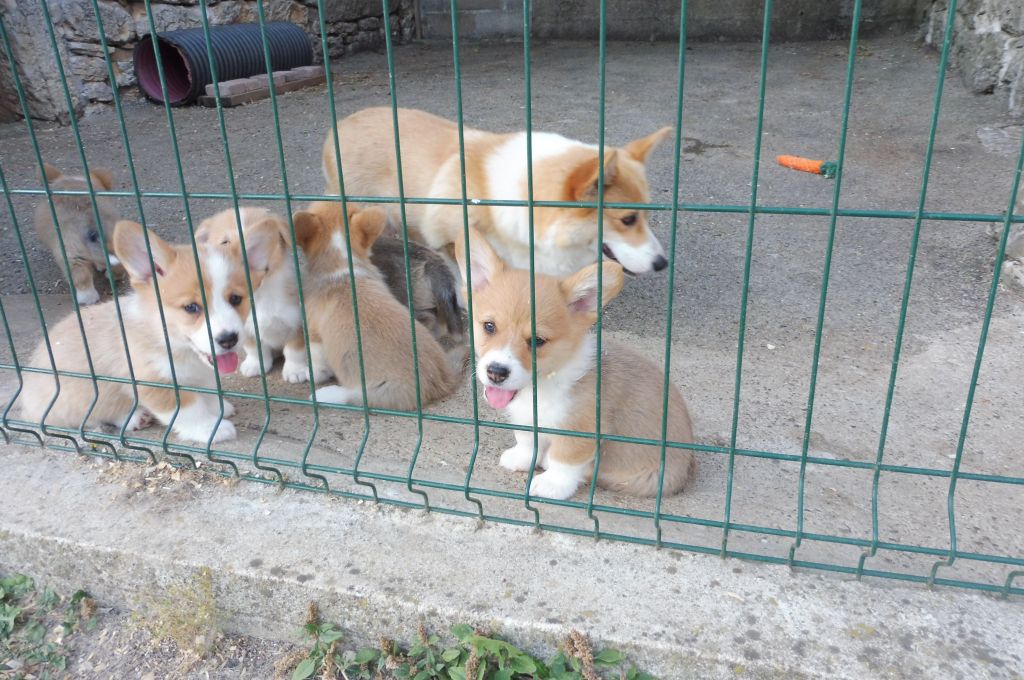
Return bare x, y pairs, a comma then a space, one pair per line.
518, 376
223, 317
338, 243
636, 259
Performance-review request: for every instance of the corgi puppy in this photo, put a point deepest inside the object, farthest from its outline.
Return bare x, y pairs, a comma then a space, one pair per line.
496, 168
631, 385
434, 289
384, 321
276, 298
191, 353
76, 221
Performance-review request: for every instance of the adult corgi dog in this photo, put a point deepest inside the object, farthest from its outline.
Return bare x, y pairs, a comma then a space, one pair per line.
384, 321
276, 298
496, 169
191, 351
76, 221
631, 385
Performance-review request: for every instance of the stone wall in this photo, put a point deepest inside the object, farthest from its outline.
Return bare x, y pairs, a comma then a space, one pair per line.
352, 25
988, 45
659, 19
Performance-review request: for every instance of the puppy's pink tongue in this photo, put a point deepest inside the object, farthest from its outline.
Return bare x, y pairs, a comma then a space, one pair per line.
497, 397
227, 363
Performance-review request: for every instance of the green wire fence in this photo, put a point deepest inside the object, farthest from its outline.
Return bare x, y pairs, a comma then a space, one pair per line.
480, 500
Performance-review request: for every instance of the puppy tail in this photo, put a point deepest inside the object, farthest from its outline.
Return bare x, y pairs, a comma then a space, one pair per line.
458, 360
449, 313
680, 468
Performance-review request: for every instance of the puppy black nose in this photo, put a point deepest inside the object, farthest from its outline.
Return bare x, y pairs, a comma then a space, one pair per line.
227, 340
659, 263
497, 373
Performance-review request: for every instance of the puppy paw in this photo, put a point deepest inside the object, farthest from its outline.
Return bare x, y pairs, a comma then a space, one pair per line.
229, 408
554, 484
295, 372
1013, 274
140, 420
336, 394
518, 458
200, 432
87, 297
250, 367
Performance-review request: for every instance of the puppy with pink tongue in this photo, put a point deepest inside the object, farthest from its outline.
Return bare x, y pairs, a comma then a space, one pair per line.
631, 385
200, 339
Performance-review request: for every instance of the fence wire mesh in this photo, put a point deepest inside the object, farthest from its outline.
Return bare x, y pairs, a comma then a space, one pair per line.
313, 463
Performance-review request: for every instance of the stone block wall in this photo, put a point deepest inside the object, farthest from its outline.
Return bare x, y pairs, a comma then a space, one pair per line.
352, 25
988, 45
659, 19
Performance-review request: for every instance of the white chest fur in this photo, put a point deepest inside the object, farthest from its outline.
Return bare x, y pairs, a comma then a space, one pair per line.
554, 391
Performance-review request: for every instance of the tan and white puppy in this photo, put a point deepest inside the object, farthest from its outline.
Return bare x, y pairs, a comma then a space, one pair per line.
276, 298
384, 322
76, 220
631, 385
191, 351
496, 169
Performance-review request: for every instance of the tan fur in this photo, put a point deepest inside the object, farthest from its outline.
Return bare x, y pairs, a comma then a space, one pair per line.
76, 219
221, 231
431, 168
631, 385
384, 322
179, 286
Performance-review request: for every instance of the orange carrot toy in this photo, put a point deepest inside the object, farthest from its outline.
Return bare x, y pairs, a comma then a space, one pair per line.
822, 168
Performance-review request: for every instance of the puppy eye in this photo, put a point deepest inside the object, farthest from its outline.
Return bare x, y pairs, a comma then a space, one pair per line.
629, 220
93, 236
490, 328
536, 342
234, 300
192, 308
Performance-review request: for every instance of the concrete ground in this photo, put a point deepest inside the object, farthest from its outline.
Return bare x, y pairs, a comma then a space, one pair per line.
893, 92
138, 533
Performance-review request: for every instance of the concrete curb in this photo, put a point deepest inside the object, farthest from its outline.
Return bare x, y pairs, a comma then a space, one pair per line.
73, 522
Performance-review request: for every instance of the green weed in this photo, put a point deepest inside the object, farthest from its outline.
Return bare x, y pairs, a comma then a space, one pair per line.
34, 625
470, 655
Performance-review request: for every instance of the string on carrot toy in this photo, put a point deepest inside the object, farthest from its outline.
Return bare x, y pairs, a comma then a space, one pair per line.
824, 168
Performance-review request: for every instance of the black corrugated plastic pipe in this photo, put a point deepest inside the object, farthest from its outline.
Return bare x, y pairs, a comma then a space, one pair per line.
237, 49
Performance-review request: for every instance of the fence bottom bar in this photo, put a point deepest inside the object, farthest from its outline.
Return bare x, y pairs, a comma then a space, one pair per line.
625, 538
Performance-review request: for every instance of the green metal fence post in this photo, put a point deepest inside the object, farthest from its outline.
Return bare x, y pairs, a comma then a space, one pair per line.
976, 371
348, 247
677, 151
826, 271
468, 274
528, 97
905, 299
752, 213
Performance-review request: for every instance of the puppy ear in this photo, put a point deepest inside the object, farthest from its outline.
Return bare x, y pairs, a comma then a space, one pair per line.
52, 172
264, 242
484, 263
308, 227
202, 234
365, 227
130, 248
581, 292
102, 178
641, 148
582, 181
